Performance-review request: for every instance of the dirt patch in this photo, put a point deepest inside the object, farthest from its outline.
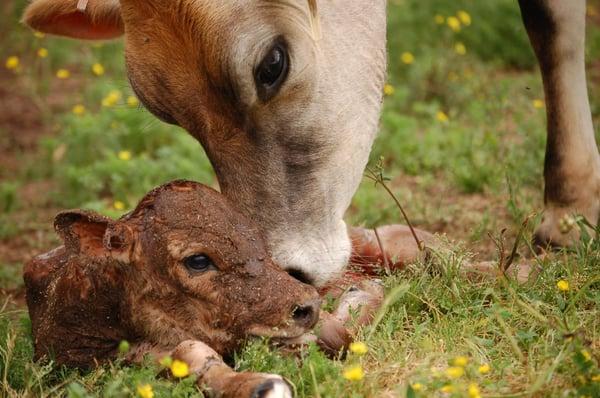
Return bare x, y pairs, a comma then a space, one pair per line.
27, 229
20, 124
593, 12
469, 218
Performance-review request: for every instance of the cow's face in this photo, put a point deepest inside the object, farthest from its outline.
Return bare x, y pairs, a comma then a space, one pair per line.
284, 96
189, 266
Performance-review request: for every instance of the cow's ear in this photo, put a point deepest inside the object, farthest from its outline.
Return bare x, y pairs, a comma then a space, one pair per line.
80, 19
92, 234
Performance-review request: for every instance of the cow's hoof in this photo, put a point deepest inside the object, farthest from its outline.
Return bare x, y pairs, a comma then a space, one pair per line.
559, 228
548, 236
273, 388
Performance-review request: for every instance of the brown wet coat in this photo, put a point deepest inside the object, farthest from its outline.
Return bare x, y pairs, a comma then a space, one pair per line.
125, 279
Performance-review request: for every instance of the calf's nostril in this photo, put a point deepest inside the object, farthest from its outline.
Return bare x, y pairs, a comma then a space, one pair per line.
306, 315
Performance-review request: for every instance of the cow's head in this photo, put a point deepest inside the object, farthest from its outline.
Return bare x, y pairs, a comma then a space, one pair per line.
284, 95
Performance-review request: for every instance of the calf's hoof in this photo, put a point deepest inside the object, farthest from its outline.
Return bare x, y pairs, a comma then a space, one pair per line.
273, 388
230, 384
253, 385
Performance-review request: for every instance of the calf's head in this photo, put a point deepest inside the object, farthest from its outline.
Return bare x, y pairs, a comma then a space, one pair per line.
284, 95
183, 265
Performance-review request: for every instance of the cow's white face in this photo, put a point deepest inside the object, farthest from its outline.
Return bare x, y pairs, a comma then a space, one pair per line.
284, 95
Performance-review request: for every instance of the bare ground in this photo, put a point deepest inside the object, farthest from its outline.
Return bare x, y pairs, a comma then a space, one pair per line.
21, 128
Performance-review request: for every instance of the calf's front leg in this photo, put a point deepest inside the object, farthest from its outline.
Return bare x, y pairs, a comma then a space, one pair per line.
219, 380
214, 376
556, 29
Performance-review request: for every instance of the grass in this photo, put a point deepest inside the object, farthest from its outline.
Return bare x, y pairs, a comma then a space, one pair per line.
462, 138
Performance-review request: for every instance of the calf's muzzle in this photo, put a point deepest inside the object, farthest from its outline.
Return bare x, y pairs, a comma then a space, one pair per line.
306, 315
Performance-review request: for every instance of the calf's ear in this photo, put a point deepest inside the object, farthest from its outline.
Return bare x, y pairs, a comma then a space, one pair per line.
79, 19
94, 235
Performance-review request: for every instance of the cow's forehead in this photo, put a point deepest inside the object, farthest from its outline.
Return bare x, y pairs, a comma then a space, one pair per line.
215, 19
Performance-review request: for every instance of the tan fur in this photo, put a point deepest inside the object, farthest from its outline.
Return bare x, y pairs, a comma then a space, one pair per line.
291, 163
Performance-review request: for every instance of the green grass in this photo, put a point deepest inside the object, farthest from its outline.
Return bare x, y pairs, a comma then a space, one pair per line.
469, 176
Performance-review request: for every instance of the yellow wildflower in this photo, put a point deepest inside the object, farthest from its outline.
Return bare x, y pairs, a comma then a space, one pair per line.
562, 285
145, 391
388, 89
359, 348
132, 101
63, 73
464, 17
98, 69
439, 19
12, 62
42, 52
417, 386
586, 355
78, 110
460, 48
484, 369
455, 372
448, 389
453, 23
39, 35
474, 391
179, 368
113, 97
461, 361
596, 378
354, 373
124, 155
442, 117
538, 103
407, 58
118, 205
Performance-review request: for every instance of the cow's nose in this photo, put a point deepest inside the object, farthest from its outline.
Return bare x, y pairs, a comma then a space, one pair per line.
306, 315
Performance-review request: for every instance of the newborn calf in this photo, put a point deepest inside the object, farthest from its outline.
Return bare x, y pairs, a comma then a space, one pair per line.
183, 274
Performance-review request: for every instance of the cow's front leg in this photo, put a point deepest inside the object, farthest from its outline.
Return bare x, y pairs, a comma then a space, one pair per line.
219, 380
556, 30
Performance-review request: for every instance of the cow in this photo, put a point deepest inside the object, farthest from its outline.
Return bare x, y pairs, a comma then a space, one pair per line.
184, 274
285, 97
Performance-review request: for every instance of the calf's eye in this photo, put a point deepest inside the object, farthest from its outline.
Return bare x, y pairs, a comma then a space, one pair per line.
272, 71
198, 263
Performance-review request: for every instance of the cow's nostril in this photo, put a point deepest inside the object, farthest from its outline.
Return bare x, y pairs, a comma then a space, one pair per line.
306, 315
300, 275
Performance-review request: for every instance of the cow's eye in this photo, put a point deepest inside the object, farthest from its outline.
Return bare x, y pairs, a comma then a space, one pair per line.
198, 263
272, 71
